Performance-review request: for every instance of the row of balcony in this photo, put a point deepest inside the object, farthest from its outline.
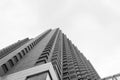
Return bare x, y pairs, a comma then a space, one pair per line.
45, 54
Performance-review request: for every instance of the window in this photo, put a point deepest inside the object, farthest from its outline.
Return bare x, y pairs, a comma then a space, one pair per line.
5, 68
65, 64
65, 73
20, 55
28, 47
26, 50
64, 69
71, 72
16, 59
11, 63
23, 52
41, 61
31, 45
43, 56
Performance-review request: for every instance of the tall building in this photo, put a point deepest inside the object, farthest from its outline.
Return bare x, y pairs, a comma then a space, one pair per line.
49, 56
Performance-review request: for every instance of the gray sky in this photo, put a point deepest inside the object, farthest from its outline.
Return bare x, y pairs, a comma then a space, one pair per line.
92, 25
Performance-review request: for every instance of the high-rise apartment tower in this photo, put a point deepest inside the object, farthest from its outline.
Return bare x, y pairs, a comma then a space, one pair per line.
49, 56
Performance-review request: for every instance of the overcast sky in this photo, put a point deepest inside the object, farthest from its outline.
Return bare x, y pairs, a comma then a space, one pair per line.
92, 25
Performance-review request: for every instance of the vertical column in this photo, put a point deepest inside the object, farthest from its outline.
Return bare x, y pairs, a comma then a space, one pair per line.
56, 56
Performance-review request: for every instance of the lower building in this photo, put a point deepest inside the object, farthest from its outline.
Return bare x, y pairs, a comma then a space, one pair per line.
113, 77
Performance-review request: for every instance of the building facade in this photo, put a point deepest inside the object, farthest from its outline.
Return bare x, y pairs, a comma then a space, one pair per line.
49, 56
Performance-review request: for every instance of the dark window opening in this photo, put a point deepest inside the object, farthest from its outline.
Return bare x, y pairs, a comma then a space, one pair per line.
65, 73
20, 55
43, 56
11, 63
41, 61
23, 52
73, 76
28, 47
15, 58
26, 50
5, 68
